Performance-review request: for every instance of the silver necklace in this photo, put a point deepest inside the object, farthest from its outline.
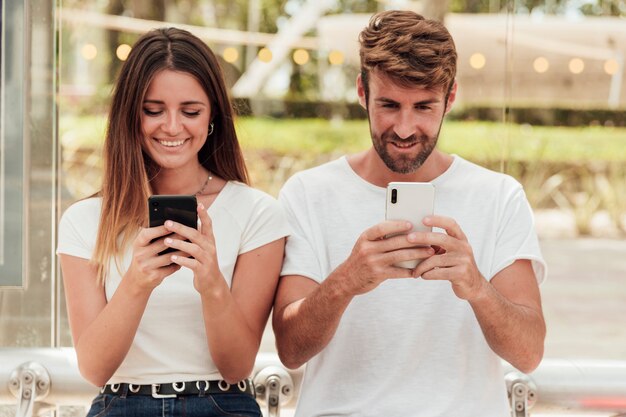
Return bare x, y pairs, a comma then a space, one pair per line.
201, 190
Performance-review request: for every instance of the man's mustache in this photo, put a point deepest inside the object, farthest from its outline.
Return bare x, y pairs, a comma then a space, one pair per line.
392, 136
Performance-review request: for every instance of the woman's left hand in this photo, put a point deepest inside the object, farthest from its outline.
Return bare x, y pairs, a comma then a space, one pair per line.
202, 258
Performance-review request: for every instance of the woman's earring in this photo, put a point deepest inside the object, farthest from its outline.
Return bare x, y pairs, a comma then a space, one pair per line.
210, 129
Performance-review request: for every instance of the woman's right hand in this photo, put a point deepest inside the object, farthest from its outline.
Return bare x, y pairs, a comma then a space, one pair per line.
104, 329
148, 269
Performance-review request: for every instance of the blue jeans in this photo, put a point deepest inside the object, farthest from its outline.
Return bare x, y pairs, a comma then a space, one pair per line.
210, 405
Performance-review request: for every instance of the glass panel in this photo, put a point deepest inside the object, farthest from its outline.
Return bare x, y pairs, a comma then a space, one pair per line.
12, 140
540, 94
542, 98
26, 313
565, 142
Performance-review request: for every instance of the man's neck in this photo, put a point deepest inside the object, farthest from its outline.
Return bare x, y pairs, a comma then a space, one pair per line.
369, 166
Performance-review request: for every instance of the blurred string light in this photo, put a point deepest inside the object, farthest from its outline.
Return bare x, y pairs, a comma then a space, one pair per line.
89, 51
265, 55
335, 58
541, 65
576, 65
230, 54
477, 61
122, 52
611, 66
300, 56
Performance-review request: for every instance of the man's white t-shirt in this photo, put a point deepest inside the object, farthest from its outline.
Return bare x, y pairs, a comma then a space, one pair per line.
170, 344
409, 347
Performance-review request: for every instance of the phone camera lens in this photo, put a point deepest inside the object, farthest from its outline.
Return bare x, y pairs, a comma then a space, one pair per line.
394, 196
155, 203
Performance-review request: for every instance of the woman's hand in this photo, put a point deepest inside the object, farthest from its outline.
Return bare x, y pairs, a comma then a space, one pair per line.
202, 259
148, 269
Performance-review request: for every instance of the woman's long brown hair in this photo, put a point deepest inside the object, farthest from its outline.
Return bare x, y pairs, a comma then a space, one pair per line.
128, 170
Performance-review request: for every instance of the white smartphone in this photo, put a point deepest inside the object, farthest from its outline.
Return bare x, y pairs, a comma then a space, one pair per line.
410, 201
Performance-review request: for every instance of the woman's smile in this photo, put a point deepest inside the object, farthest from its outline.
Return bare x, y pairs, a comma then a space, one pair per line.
172, 143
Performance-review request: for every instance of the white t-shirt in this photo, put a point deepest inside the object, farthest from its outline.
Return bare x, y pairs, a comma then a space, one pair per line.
409, 347
170, 344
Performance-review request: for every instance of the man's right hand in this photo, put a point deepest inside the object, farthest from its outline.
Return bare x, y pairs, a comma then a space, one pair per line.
374, 255
306, 313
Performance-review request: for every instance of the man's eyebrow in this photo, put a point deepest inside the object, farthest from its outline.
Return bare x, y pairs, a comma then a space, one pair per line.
184, 103
385, 100
428, 101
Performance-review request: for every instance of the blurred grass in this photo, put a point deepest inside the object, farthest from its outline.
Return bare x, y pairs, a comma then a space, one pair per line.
577, 170
474, 140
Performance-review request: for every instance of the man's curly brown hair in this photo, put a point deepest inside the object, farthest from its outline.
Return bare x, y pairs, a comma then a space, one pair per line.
409, 49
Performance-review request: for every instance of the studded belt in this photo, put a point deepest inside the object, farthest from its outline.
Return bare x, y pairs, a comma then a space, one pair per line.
175, 389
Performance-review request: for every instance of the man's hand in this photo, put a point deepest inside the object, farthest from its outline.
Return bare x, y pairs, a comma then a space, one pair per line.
508, 308
306, 314
374, 255
453, 260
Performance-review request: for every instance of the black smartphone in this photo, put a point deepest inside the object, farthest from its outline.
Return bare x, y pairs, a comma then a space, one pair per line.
178, 208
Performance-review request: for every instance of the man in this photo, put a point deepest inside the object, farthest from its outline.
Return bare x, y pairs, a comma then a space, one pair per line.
387, 341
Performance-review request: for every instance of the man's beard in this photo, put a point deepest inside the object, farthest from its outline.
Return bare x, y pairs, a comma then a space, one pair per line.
404, 164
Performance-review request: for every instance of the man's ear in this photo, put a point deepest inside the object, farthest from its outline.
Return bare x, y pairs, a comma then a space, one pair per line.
451, 97
361, 91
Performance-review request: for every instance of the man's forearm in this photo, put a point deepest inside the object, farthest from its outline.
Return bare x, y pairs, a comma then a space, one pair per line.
515, 332
304, 327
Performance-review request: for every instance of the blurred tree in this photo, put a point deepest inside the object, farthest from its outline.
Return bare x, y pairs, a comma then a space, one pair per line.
304, 80
268, 15
115, 7
359, 6
436, 9
587, 7
141, 9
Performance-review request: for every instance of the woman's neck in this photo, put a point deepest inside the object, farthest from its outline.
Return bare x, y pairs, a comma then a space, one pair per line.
181, 180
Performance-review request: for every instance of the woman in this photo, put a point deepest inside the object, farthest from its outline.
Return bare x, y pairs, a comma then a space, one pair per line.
174, 333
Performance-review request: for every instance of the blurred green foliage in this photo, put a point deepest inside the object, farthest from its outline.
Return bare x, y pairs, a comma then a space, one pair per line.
577, 170
474, 140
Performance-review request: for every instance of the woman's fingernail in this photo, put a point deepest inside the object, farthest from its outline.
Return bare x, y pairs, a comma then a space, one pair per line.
174, 257
169, 223
201, 206
168, 241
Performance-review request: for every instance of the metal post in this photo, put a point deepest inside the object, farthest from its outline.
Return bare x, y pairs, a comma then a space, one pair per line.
29, 382
522, 393
274, 387
616, 82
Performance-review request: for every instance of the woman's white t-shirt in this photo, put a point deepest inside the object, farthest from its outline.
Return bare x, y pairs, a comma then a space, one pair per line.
170, 344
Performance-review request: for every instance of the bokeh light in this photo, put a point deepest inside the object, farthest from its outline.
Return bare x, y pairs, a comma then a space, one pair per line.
336, 58
576, 66
541, 65
300, 56
265, 55
230, 54
477, 61
122, 52
89, 51
611, 66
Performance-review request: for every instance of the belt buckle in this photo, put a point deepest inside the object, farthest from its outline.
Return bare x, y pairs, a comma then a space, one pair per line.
155, 393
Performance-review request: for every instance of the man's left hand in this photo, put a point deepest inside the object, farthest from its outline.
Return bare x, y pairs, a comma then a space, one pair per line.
453, 260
